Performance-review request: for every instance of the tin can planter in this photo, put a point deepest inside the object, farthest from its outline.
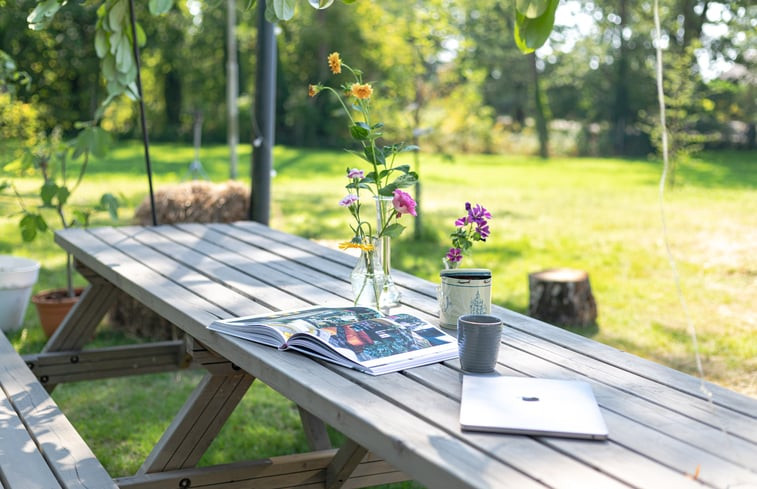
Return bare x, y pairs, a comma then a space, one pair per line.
464, 291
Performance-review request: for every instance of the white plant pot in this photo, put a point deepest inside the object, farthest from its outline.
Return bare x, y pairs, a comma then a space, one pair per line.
17, 277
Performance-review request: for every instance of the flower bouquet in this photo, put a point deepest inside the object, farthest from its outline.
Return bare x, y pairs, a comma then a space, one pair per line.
383, 180
465, 290
472, 227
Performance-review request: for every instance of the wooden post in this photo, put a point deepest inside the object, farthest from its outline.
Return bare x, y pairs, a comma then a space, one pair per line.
562, 296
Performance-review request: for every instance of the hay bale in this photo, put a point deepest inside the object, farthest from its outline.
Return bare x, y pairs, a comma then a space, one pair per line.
195, 201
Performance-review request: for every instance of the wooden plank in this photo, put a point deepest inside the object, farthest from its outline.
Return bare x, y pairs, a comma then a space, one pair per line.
70, 459
154, 247
636, 454
315, 431
704, 436
257, 263
289, 471
313, 255
301, 262
343, 464
417, 440
109, 362
197, 423
721, 396
168, 266
161, 294
21, 463
530, 455
737, 424
302, 380
79, 325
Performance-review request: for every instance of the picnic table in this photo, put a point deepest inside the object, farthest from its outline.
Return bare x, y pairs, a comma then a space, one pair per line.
666, 428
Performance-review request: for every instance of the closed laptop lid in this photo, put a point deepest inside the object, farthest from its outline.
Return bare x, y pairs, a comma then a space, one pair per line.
530, 406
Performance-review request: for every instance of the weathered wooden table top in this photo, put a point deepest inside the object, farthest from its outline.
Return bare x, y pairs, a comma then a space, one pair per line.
664, 430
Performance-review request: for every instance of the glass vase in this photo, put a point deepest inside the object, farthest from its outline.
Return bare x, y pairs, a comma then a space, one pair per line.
390, 293
367, 279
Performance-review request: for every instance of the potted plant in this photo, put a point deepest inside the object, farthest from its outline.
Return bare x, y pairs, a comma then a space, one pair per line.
465, 290
61, 166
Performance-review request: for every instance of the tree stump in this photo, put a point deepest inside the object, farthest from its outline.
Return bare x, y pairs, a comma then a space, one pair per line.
562, 296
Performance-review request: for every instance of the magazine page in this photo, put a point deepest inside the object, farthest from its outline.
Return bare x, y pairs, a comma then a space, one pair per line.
380, 345
275, 329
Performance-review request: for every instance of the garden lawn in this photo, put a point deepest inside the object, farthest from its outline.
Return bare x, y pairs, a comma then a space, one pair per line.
599, 215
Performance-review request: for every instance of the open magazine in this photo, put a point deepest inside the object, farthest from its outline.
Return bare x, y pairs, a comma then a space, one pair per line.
356, 337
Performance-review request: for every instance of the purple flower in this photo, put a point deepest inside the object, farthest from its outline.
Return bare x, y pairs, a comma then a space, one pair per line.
403, 203
483, 230
461, 222
454, 255
477, 213
355, 173
348, 200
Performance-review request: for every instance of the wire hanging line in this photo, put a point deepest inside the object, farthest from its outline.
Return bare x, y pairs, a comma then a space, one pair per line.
142, 117
661, 197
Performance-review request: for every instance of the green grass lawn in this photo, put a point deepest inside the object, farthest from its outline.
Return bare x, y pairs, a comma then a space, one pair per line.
599, 215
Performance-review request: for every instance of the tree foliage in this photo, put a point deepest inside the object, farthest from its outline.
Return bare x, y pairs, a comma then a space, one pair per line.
451, 70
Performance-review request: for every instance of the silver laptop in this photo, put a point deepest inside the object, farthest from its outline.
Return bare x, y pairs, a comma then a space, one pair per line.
530, 406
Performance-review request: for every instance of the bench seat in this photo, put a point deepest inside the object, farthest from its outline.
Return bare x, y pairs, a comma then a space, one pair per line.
39, 447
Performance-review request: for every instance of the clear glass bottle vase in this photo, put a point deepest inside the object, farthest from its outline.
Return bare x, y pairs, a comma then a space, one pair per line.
390, 293
367, 279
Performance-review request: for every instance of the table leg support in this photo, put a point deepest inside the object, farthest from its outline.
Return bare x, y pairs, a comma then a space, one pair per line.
343, 464
315, 431
199, 421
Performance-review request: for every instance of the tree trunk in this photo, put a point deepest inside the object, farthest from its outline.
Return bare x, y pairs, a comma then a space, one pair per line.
621, 105
562, 297
541, 111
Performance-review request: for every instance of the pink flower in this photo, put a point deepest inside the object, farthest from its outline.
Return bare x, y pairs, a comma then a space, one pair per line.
348, 200
355, 173
454, 255
403, 203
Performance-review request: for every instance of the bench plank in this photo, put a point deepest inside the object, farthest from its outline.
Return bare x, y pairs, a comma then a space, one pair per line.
21, 463
66, 454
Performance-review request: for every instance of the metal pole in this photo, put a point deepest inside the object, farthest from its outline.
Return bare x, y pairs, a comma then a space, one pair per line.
142, 118
232, 82
264, 114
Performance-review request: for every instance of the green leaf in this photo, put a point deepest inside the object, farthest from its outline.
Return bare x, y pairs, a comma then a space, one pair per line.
117, 15
403, 181
284, 9
101, 43
42, 14
531, 34
47, 193
359, 155
124, 55
141, 36
30, 225
100, 142
81, 218
270, 15
109, 67
393, 230
379, 156
531, 8
63, 195
360, 132
158, 7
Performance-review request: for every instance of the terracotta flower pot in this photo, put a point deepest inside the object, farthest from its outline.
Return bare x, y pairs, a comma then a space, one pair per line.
52, 307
